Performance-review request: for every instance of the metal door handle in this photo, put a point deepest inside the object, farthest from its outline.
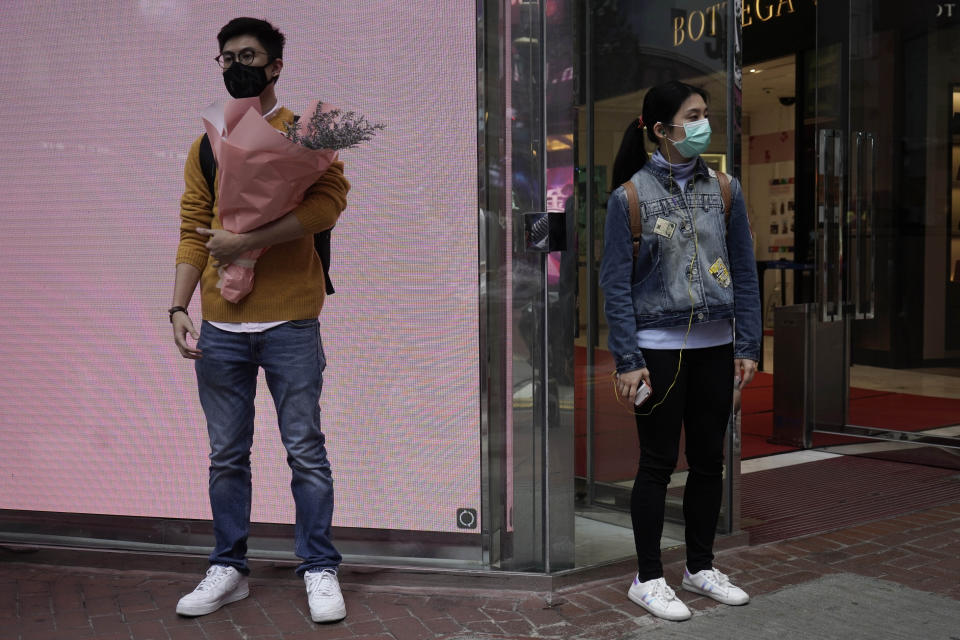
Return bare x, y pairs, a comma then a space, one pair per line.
830, 228
862, 260
839, 220
823, 238
856, 236
861, 255
869, 246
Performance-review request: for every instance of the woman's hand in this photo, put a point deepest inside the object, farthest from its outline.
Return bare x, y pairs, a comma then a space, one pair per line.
743, 370
628, 382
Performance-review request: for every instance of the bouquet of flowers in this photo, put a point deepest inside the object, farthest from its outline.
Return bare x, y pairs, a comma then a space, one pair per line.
330, 128
264, 173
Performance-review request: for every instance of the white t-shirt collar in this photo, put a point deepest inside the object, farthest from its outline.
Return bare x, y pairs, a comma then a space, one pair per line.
270, 113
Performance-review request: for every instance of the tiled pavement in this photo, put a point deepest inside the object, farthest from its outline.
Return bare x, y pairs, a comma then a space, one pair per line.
920, 550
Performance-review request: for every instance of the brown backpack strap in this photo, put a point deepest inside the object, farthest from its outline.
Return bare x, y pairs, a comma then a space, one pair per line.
636, 221
724, 181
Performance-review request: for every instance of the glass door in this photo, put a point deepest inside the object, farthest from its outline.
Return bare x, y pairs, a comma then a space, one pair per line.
630, 47
887, 360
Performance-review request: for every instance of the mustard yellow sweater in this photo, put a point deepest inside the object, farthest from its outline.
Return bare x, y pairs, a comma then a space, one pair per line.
288, 282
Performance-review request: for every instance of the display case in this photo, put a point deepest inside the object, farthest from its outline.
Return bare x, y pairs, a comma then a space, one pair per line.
781, 219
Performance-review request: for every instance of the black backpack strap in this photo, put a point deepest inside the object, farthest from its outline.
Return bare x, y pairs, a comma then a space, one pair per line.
208, 164
321, 241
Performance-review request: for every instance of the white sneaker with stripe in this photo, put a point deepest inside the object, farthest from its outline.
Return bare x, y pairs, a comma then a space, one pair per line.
659, 599
714, 584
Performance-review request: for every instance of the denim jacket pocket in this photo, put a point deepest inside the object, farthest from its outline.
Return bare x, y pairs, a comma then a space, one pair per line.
713, 210
647, 288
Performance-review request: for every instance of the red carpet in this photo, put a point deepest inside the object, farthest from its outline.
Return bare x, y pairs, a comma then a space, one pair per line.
615, 437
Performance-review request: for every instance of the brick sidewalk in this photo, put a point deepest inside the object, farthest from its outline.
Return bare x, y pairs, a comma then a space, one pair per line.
919, 550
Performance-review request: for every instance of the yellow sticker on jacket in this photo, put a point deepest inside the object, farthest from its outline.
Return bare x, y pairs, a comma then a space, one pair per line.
719, 271
664, 228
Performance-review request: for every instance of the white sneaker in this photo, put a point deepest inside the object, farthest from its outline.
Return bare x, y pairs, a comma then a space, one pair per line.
222, 585
659, 599
323, 594
713, 584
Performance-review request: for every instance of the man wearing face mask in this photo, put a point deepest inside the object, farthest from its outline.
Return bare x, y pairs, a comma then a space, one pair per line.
275, 327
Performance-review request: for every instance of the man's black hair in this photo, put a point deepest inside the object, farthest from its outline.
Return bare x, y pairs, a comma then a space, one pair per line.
268, 35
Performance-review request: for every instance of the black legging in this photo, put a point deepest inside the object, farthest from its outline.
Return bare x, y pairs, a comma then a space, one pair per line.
701, 400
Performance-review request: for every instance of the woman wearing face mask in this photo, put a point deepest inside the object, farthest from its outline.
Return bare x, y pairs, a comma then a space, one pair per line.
683, 309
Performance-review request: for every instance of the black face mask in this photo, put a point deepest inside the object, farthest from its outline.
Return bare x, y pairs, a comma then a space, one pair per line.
244, 81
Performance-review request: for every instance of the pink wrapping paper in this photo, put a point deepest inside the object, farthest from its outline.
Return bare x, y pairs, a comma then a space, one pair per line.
263, 176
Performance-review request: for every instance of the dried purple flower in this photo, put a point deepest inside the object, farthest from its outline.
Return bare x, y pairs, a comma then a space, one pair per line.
333, 129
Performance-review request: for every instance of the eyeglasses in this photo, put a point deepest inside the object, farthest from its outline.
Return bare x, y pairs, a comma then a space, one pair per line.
245, 56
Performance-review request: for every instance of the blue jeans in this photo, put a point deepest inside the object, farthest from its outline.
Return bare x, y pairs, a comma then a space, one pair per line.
292, 358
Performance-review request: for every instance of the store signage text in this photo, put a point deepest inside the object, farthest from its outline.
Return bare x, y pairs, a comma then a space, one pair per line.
698, 23
946, 9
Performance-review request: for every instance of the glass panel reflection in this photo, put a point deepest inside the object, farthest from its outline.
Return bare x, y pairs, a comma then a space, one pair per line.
632, 47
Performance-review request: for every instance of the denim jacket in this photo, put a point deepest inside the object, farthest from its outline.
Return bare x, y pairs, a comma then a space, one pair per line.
657, 293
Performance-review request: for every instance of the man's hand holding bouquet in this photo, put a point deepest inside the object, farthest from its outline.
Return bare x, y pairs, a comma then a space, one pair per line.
264, 173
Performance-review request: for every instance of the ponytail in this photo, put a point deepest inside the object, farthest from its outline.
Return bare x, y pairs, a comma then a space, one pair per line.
631, 156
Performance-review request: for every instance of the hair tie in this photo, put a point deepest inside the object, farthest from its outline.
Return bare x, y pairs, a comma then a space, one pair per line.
640, 122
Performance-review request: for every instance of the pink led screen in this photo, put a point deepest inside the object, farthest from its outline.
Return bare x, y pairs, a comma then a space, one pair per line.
98, 411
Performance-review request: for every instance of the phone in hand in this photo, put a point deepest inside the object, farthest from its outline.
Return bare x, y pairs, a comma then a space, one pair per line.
643, 392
